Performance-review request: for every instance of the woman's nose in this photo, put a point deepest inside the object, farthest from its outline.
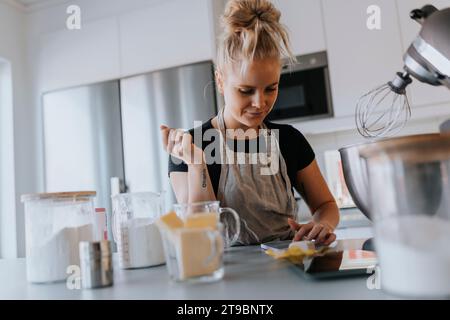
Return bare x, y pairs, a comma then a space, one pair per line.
259, 100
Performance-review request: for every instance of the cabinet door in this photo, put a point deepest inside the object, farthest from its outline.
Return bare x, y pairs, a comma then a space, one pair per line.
421, 94
304, 21
73, 57
360, 59
166, 34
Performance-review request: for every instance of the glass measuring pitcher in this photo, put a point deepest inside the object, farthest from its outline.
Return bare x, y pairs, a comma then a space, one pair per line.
231, 223
194, 254
134, 229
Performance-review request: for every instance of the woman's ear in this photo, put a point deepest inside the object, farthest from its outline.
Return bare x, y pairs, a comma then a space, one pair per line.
219, 81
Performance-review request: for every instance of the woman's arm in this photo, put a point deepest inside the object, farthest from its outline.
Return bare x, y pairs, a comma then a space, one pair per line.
200, 186
194, 185
312, 187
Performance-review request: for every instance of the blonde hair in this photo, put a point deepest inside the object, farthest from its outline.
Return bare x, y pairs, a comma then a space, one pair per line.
252, 30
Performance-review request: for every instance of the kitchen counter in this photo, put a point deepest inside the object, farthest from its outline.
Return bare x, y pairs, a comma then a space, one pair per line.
249, 274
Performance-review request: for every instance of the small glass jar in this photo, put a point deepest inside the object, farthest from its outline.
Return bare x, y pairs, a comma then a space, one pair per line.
55, 223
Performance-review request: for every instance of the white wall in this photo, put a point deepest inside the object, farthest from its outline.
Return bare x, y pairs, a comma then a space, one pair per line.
7, 192
18, 176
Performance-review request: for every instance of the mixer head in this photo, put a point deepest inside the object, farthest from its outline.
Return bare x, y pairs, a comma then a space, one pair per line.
385, 110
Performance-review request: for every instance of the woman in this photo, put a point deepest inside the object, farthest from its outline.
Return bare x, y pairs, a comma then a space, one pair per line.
248, 71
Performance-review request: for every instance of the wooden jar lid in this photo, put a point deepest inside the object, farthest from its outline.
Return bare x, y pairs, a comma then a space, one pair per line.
76, 195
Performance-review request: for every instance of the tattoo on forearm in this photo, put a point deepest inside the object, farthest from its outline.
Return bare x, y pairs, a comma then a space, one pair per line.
204, 178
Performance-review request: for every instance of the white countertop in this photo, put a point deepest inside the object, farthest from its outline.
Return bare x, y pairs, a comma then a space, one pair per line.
249, 274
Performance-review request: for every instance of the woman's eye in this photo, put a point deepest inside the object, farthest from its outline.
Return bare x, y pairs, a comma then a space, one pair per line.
251, 91
243, 91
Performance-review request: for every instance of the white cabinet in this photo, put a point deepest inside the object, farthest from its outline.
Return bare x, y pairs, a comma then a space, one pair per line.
360, 59
166, 34
420, 94
73, 57
304, 21
162, 34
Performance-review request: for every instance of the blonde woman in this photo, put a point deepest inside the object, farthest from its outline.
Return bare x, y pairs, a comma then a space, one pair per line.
248, 69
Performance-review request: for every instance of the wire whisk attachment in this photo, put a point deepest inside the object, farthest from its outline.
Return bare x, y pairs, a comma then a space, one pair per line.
385, 110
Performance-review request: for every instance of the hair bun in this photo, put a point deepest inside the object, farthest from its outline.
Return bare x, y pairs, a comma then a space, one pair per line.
252, 30
244, 14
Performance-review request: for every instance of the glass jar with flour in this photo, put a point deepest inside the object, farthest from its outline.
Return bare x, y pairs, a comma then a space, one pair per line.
55, 223
134, 229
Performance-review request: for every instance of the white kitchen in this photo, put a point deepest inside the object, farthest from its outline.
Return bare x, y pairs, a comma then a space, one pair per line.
86, 84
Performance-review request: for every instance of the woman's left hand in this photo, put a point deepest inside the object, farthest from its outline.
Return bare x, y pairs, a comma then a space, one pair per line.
321, 232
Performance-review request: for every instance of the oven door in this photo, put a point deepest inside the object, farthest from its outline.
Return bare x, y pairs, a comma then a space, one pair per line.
303, 94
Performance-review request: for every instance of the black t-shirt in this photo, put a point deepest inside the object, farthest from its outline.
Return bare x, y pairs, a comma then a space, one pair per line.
294, 147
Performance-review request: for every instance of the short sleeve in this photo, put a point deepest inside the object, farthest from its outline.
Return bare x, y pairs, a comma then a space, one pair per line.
306, 153
176, 165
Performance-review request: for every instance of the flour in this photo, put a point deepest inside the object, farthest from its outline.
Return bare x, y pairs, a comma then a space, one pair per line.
49, 262
414, 255
140, 244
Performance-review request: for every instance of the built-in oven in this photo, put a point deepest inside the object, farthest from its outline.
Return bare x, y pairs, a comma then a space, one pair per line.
304, 90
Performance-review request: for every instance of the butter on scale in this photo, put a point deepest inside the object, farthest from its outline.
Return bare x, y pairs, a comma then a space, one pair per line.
297, 251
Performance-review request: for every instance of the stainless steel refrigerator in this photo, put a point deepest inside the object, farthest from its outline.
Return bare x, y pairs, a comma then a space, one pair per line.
83, 140
175, 97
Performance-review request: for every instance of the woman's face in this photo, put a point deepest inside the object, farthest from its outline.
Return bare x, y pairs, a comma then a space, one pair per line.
250, 98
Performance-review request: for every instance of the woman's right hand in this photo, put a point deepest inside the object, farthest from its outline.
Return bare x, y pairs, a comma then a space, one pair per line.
321, 232
178, 143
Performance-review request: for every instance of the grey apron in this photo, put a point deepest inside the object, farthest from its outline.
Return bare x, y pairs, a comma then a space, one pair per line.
263, 202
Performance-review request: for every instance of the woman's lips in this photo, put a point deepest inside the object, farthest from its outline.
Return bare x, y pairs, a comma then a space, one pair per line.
254, 114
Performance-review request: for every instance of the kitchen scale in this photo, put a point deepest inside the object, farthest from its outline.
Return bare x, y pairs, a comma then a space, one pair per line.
337, 262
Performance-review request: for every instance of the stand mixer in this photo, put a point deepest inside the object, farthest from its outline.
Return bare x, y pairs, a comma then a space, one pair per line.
427, 60
385, 110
